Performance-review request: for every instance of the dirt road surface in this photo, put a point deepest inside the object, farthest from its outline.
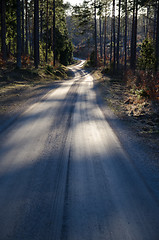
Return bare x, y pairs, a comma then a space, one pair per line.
64, 174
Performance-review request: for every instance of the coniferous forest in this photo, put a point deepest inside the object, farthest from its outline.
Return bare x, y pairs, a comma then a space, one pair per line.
33, 29
120, 35
117, 29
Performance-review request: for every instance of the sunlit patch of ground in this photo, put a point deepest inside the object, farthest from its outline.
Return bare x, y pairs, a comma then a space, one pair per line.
141, 114
19, 87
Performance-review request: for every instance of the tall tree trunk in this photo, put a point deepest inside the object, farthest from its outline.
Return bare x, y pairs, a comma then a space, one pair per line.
114, 39
129, 37
30, 28
155, 20
9, 46
134, 35
41, 24
111, 43
36, 33
29, 36
125, 37
157, 39
22, 26
54, 37
105, 29
95, 32
19, 34
26, 26
144, 26
3, 29
30, 33
47, 23
100, 33
118, 37
147, 21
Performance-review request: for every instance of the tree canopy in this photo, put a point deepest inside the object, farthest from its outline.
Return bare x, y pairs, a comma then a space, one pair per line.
28, 28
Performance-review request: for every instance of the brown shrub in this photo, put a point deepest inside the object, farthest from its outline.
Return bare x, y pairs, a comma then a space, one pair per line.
141, 80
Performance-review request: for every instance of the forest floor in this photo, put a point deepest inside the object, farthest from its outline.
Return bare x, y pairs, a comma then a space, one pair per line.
140, 114
21, 87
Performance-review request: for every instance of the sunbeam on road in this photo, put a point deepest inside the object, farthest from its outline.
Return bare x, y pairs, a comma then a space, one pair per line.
64, 174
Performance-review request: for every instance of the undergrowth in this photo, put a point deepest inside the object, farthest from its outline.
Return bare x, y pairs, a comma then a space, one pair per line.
28, 75
144, 84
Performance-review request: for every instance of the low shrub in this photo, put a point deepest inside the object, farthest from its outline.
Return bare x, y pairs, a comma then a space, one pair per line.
143, 83
49, 69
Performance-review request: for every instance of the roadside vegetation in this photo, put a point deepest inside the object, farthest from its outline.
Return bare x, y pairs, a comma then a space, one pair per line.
34, 34
34, 48
15, 80
120, 40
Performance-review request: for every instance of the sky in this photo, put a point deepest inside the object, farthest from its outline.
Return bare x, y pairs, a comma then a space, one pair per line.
73, 2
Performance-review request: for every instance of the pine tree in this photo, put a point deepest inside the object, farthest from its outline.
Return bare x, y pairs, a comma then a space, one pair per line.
54, 33
114, 38
26, 26
19, 50
36, 33
125, 36
3, 29
134, 35
47, 23
118, 37
157, 39
22, 9
95, 33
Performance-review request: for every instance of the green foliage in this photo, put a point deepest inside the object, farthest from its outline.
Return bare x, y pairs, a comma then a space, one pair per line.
147, 55
83, 23
49, 69
83, 16
63, 45
57, 72
142, 93
91, 61
42, 51
11, 32
66, 56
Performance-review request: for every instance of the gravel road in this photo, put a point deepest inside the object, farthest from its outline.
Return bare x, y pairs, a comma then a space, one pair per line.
64, 174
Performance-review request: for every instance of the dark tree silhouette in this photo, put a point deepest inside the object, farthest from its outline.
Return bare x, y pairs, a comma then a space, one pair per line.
19, 50
36, 33
3, 29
